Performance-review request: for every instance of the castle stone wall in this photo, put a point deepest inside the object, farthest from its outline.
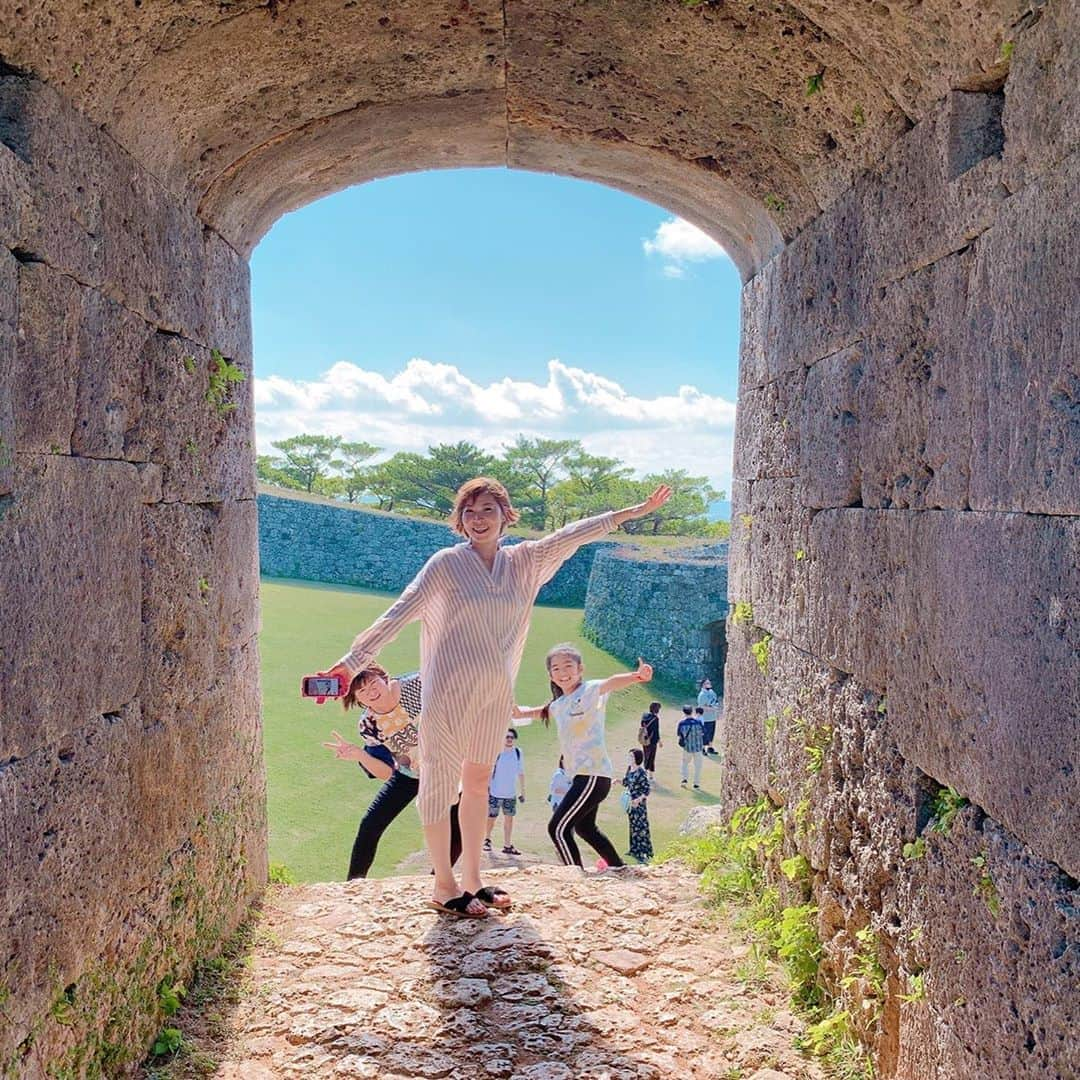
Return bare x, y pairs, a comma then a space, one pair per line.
663, 609
349, 546
905, 530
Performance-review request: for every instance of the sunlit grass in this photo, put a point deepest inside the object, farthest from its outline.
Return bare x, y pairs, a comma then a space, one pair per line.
315, 801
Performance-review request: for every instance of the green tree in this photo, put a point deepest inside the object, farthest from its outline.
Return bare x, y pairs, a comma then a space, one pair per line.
429, 482
685, 513
355, 474
534, 466
268, 469
308, 458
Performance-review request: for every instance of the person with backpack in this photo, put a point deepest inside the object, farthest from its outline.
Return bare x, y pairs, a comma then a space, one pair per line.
649, 738
508, 774
691, 736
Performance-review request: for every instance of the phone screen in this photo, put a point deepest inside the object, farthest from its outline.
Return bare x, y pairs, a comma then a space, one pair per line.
321, 686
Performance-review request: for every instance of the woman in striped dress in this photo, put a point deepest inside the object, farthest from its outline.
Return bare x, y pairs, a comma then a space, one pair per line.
473, 601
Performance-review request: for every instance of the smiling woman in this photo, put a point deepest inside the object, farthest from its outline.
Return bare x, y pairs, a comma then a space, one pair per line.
473, 602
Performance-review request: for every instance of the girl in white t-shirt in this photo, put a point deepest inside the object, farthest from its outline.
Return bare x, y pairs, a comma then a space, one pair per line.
578, 708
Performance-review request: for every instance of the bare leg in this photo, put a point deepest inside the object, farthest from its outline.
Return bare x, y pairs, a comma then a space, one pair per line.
437, 839
472, 815
508, 829
490, 827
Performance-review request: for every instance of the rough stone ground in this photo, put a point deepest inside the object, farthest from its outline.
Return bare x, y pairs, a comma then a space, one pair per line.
623, 974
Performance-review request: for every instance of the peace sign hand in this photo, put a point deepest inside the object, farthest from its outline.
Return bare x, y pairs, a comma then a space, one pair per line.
343, 750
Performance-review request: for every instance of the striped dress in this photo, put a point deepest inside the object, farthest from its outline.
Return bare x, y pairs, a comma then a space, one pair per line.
474, 622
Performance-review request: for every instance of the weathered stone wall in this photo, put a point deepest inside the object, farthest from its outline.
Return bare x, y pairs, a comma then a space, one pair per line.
664, 609
905, 529
349, 546
131, 776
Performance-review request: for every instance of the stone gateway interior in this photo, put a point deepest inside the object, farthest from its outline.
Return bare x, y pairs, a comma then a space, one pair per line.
898, 184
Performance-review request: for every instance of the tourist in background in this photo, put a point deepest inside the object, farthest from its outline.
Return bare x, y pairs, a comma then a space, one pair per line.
691, 736
649, 737
473, 601
637, 787
559, 786
507, 776
708, 700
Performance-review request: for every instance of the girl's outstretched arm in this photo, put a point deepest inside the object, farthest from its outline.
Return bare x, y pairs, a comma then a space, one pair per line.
524, 715
643, 674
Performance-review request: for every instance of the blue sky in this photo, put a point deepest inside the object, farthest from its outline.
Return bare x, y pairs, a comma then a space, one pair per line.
477, 303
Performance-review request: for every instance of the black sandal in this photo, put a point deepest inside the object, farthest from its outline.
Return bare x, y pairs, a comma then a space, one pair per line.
494, 897
458, 906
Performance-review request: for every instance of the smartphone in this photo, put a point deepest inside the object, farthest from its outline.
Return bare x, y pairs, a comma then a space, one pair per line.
320, 686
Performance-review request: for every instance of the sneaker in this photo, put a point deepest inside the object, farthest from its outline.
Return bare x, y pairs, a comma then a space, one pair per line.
510, 850
682, 783
697, 785
487, 844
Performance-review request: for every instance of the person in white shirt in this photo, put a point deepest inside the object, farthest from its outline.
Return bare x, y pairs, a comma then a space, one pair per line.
578, 708
507, 776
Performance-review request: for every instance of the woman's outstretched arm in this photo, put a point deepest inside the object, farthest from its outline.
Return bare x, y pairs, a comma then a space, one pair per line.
410, 605
551, 551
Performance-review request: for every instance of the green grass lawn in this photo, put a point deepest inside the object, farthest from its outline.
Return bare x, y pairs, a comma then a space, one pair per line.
315, 801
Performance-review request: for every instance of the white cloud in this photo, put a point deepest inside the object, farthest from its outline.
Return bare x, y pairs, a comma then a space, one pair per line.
428, 403
679, 242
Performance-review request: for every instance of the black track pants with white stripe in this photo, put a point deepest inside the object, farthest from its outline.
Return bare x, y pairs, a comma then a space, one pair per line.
577, 814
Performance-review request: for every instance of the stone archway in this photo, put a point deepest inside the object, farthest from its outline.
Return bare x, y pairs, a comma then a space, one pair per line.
898, 187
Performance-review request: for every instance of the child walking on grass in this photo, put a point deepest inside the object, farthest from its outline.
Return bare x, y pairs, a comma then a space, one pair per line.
579, 708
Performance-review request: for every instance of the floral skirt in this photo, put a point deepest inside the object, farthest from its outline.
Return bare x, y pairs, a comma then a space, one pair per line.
640, 840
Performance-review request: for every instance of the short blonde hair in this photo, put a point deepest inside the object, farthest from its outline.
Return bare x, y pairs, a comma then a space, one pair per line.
473, 489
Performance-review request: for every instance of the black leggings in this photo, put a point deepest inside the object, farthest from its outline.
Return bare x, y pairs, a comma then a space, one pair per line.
577, 813
393, 797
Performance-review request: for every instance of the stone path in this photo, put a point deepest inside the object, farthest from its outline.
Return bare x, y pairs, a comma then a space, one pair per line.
615, 975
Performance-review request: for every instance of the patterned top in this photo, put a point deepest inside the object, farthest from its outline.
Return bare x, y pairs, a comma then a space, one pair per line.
692, 733
579, 718
708, 700
398, 730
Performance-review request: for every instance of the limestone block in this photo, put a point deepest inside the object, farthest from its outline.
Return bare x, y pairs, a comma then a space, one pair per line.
46, 376
850, 601
753, 369
829, 465
8, 346
745, 709
51, 162
200, 584
208, 457
740, 550
780, 535
815, 294
915, 214
108, 354
982, 683
1041, 121
914, 397
9, 289
1024, 352
69, 603
226, 301
996, 923
767, 428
